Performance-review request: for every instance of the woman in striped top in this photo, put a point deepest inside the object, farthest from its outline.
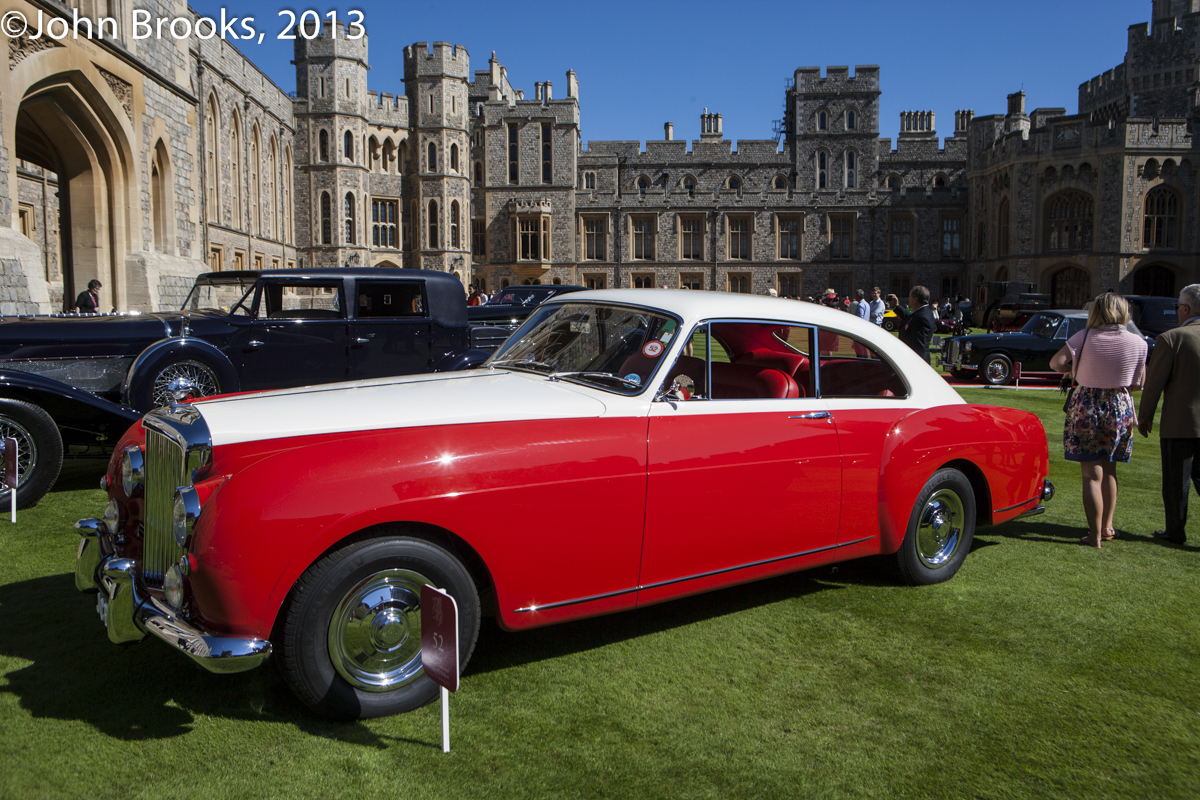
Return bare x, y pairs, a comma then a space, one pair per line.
1109, 360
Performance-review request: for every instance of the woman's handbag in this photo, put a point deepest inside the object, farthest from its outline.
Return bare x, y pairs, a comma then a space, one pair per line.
1068, 381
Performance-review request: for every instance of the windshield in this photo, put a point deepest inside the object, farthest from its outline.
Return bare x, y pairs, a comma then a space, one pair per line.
616, 348
1043, 325
222, 296
524, 296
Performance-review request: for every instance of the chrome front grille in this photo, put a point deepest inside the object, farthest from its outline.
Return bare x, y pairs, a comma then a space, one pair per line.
164, 473
950, 352
178, 445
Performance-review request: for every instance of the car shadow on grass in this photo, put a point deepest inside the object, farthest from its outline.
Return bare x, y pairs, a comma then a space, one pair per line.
498, 649
133, 692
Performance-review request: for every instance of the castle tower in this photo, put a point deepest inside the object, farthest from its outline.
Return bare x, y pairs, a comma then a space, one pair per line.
833, 124
439, 186
330, 112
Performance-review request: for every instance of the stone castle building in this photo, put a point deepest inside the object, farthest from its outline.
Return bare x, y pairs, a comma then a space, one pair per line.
145, 161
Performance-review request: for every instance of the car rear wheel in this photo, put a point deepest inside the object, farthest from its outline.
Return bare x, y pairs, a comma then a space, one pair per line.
891, 324
39, 451
996, 370
940, 529
351, 637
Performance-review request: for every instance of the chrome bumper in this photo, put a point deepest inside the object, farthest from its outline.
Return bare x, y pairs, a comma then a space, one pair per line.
130, 612
1047, 496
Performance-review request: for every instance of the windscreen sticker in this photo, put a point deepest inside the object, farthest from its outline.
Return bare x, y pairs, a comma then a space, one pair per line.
653, 349
634, 378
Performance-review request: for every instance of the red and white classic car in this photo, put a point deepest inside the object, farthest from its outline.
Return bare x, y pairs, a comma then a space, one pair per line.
622, 448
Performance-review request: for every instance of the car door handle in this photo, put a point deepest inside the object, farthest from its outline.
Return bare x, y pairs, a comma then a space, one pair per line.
361, 340
253, 343
825, 415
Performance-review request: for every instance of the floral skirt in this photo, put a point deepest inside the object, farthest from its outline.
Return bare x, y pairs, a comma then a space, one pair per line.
1099, 425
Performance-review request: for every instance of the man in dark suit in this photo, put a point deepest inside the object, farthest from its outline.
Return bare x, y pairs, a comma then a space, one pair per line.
1174, 374
918, 328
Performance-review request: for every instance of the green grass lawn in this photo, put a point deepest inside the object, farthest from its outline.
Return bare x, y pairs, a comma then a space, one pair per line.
1044, 669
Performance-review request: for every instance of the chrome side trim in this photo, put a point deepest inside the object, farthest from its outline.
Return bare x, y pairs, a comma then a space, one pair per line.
1038, 496
1033, 512
639, 588
131, 613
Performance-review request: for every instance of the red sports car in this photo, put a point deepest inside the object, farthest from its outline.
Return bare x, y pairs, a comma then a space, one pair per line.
622, 448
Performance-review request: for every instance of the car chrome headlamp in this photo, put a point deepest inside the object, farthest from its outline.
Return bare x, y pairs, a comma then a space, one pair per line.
132, 470
173, 586
184, 514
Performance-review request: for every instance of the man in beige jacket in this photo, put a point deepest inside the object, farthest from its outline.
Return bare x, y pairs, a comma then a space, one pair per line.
1174, 374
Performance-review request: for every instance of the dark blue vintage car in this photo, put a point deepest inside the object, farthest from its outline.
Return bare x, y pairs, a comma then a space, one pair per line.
991, 357
71, 384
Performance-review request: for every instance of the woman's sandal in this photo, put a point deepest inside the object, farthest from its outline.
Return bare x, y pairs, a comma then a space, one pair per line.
1110, 534
1088, 541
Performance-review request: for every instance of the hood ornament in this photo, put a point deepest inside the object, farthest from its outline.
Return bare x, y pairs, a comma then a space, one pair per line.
185, 329
180, 390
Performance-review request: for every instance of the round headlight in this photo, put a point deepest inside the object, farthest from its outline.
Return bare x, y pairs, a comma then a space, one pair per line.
132, 472
112, 516
173, 586
184, 513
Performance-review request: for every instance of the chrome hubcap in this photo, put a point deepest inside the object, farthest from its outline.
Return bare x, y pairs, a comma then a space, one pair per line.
939, 531
27, 454
375, 632
997, 371
198, 379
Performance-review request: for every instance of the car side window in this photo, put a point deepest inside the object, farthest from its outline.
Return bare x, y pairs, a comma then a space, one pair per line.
301, 300
736, 361
848, 367
1074, 325
391, 299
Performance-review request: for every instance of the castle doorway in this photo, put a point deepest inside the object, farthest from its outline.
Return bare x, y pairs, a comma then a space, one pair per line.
1154, 280
67, 132
1070, 287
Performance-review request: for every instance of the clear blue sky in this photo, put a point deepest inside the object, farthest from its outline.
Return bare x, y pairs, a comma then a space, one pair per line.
644, 63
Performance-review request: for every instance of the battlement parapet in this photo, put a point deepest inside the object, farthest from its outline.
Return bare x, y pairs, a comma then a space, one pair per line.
439, 59
864, 79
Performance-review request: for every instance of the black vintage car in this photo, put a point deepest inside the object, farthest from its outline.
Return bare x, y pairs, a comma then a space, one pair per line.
71, 384
503, 313
990, 357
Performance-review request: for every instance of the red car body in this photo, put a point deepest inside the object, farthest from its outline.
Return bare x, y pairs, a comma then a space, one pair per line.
559, 498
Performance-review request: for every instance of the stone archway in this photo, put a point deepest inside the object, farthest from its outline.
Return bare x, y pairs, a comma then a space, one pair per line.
1070, 287
1154, 280
64, 127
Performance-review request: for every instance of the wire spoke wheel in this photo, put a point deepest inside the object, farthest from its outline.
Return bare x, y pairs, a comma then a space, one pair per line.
27, 450
197, 378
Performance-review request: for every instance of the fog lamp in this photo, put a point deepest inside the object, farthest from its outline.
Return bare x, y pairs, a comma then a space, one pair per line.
132, 472
112, 516
173, 586
184, 513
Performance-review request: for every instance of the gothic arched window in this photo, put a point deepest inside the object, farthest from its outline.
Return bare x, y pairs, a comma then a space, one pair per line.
1162, 218
1069, 221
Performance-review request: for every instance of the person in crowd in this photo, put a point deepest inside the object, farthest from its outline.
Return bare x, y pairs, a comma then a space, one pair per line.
473, 296
947, 309
1174, 375
860, 306
1107, 361
877, 307
830, 299
919, 324
88, 301
933, 306
966, 308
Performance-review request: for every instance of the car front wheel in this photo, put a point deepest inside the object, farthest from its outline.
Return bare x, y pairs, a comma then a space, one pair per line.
940, 529
891, 324
351, 638
996, 370
39, 451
